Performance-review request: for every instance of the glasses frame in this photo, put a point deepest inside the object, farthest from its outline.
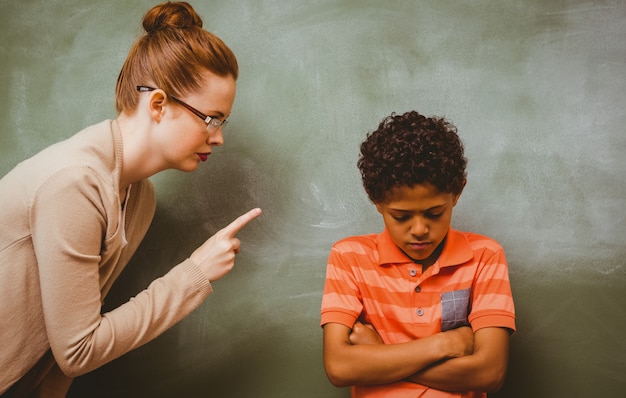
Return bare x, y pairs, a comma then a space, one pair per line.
212, 123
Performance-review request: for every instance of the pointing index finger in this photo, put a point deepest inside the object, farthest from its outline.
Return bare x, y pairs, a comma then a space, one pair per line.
240, 222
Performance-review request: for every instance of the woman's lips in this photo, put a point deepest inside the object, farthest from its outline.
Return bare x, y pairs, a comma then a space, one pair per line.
203, 156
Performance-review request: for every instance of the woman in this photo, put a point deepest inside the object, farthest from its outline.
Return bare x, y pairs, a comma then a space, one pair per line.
78, 210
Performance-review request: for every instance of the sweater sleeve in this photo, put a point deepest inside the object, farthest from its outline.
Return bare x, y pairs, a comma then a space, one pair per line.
71, 225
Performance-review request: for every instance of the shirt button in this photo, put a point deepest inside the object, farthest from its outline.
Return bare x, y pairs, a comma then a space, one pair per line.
413, 272
418, 289
419, 312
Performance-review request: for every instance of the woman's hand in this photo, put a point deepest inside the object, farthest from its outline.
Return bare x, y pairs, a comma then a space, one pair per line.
216, 256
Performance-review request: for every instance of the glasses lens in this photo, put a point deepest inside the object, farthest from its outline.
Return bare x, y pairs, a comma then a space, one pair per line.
214, 124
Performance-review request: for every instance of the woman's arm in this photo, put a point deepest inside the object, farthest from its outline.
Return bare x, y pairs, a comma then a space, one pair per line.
70, 221
73, 218
359, 362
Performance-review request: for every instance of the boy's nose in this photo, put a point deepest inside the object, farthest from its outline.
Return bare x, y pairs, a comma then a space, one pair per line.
419, 227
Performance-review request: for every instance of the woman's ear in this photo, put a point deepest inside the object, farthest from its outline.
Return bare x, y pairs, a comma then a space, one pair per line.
158, 100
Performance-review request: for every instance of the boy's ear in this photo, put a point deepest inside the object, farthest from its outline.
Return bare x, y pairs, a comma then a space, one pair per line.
379, 207
456, 197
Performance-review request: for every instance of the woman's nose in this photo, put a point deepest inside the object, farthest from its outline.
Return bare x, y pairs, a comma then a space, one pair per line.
215, 137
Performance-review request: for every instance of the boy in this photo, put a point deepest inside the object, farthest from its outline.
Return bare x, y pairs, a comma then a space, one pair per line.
420, 309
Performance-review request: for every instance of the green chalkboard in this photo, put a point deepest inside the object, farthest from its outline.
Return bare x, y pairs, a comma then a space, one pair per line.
536, 89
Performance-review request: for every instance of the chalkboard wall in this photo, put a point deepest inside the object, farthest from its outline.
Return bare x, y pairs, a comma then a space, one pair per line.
536, 88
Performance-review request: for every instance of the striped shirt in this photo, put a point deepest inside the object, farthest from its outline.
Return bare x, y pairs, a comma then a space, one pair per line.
370, 279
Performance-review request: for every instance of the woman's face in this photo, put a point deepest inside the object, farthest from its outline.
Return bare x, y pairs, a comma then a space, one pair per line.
185, 141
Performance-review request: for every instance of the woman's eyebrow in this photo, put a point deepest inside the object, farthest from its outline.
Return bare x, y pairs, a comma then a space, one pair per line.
217, 114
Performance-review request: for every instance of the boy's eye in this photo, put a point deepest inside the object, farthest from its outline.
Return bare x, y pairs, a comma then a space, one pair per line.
401, 218
433, 216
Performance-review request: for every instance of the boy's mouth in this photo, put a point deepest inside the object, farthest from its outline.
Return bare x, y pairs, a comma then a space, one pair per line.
418, 246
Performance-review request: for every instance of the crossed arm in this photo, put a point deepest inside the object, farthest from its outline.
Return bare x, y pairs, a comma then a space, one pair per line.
455, 360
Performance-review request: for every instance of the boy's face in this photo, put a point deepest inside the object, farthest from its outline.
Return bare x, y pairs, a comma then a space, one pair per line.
418, 219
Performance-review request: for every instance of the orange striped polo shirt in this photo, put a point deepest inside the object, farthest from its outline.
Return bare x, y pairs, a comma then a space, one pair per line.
369, 278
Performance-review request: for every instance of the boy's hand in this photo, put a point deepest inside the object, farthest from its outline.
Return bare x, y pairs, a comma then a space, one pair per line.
460, 341
364, 334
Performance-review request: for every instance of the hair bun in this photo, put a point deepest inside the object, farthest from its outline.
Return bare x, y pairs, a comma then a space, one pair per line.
174, 15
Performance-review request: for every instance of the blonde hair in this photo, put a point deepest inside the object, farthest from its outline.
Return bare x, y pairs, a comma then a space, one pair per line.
173, 55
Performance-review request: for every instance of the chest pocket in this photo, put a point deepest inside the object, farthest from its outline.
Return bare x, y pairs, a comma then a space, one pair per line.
455, 309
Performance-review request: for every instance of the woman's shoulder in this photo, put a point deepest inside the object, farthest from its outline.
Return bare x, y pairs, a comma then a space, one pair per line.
95, 140
86, 156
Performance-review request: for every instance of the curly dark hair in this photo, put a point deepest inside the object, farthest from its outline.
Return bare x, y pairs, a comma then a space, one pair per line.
412, 149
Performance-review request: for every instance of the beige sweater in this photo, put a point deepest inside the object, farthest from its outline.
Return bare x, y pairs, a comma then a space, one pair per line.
62, 245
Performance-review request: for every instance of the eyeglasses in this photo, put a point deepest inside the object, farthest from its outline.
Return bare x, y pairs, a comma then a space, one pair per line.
212, 123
